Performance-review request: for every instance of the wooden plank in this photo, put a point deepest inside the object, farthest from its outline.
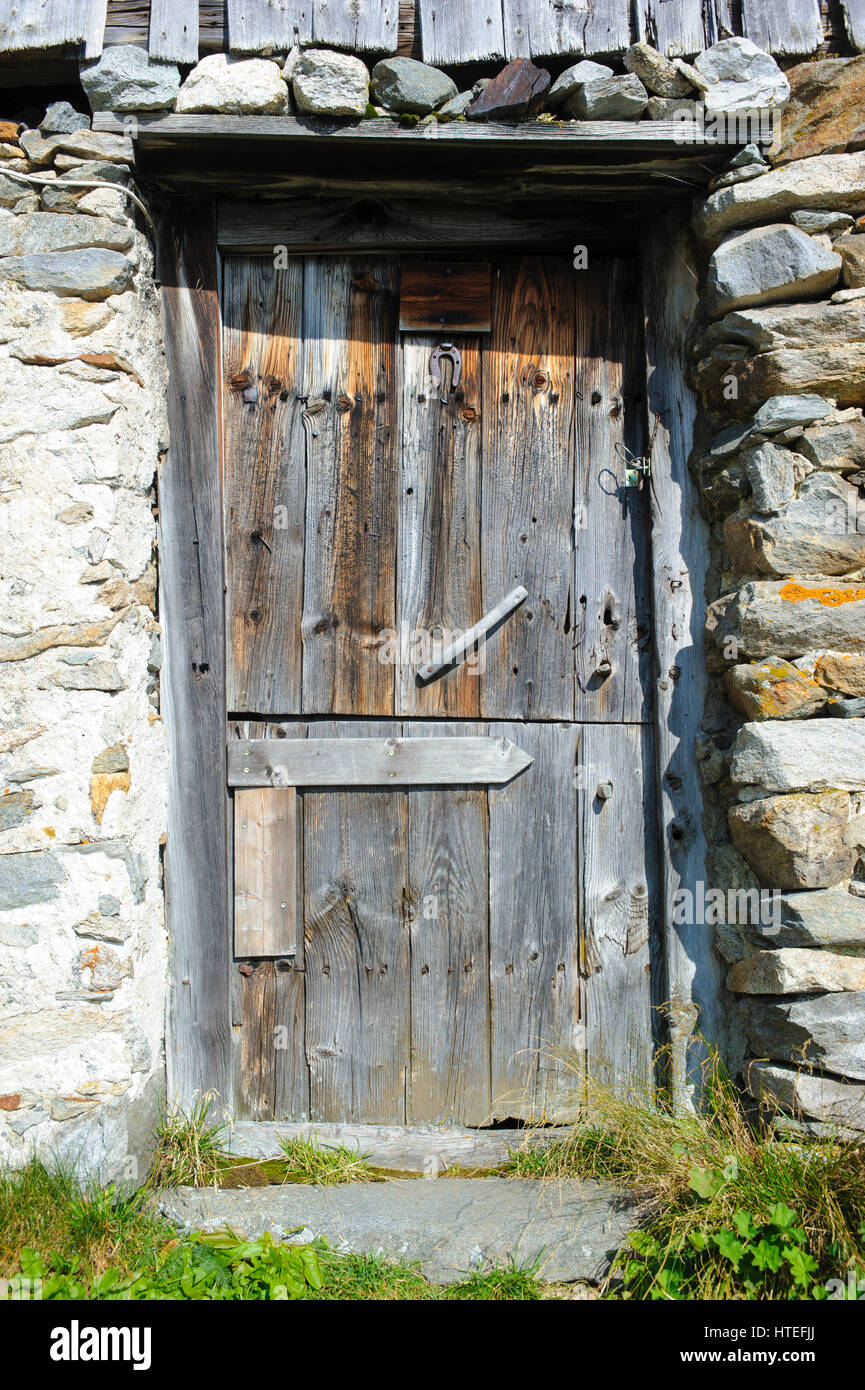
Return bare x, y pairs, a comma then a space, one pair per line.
675, 27
268, 26
536, 1038
94, 26
436, 296
267, 903
439, 567
38, 24
448, 910
612, 612
528, 488
619, 909
609, 27
785, 26
386, 762
351, 419
360, 26
680, 553
854, 22
265, 485
453, 32
173, 34
357, 948
545, 28
193, 680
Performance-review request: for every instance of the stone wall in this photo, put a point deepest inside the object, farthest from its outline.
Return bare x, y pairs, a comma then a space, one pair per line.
779, 361
83, 960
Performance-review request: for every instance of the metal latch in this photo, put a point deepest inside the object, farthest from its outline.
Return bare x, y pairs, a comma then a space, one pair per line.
435, 371
637, 470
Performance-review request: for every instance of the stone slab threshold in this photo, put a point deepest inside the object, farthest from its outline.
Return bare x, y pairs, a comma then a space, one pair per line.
570, 1228
426, 1149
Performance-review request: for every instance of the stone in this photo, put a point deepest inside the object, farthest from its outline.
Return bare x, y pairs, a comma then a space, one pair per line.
83, 144
741, 77
452, 1226
671, 109
748, 158
518, 90
803, 1094
693, 75
729, 441
846, 709
12, 739
70, 1107
88, 274
779, 326
113, 759
573, 78
841, 671
15, 808
816, 756
838, 445
325, 83
657, 73
835, 182
818, 532
830, 370
770, 473
826, 1032
790, 970
795, 841
781, 412
100, 972
768, 263
773, 690
819, 220
824, 113
27, 879
609, 99
125, 78
410, 88
41, 232
752, 171
851, 249
62, 119
102, 784
457, 106
85, 634
234, 86
847, 296
94, 675
788, 618
825, 919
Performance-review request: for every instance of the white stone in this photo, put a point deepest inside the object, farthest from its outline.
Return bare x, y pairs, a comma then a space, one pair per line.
234, 86
817, 755
741, 77
325, 83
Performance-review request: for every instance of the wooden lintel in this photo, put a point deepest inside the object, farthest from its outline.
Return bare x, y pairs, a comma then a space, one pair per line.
373, 762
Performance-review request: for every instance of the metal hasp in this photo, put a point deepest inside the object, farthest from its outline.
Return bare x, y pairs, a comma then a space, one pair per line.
459, 650
435, 371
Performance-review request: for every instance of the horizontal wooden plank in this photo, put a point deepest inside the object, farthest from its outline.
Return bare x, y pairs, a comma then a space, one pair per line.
373, 762
438, 294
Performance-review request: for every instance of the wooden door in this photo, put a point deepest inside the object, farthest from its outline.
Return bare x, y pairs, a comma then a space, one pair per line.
438, 950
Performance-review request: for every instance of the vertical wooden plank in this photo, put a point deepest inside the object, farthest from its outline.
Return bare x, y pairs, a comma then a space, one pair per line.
677, 28
174, 31
545, 28
265, 484
439, 566
266, 871
352, 429
193, 682
608, 29
528, 482
784, 26
535, 1035
357, 25
680, 553
448, 904
453, 32
854, 22
95, 12
357, 956
36, 24
268, 26
612, 625
619, 904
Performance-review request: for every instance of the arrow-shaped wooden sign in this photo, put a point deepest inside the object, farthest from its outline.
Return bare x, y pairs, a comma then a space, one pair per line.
373, 762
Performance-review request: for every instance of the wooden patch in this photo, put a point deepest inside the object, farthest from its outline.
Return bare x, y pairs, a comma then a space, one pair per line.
437, 295
174, 31
374, 762
266, 872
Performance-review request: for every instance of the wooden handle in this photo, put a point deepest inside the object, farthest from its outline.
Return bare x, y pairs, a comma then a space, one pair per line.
459, 650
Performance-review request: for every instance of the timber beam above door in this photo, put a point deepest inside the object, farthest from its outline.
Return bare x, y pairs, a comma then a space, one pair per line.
374, 762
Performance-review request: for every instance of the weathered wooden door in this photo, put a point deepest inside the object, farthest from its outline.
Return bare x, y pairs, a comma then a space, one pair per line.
439, 950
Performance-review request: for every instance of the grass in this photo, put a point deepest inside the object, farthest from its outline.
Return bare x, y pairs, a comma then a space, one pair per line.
729, 1203
305, 1161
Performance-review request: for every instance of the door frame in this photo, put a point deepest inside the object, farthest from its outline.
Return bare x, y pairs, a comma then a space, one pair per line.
192, 232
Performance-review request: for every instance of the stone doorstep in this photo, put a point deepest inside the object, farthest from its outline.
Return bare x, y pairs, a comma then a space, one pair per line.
427, 1149
571, 1228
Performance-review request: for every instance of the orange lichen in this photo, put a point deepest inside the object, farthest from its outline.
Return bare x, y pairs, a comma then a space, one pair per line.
828, 598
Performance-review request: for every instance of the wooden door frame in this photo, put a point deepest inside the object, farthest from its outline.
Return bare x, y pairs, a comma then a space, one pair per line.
190, 236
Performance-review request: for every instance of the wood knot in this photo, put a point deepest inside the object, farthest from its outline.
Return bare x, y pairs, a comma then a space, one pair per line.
344, 403
240, 381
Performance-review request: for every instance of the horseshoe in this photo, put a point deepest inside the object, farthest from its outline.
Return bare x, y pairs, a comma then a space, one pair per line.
445, 350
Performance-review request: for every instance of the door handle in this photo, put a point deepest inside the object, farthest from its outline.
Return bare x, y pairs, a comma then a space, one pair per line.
459, 650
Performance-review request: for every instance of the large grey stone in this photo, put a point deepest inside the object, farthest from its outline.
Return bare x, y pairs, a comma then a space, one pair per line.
819, 755
82, 144
741, 77
125, 78
795, 841
325, 83
791, 970
87, 274
26, 879
815, 534
235, 86
765, 264
828, 1031
834, 182
820, 220
39, 232
609, 99
453, 1226
574, 77
657, 73
768, 328
815, 1097
770, 473
788, 618
61, 118
409, 87
783, 412
837, 444
93, 675
671, 109
826, 919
